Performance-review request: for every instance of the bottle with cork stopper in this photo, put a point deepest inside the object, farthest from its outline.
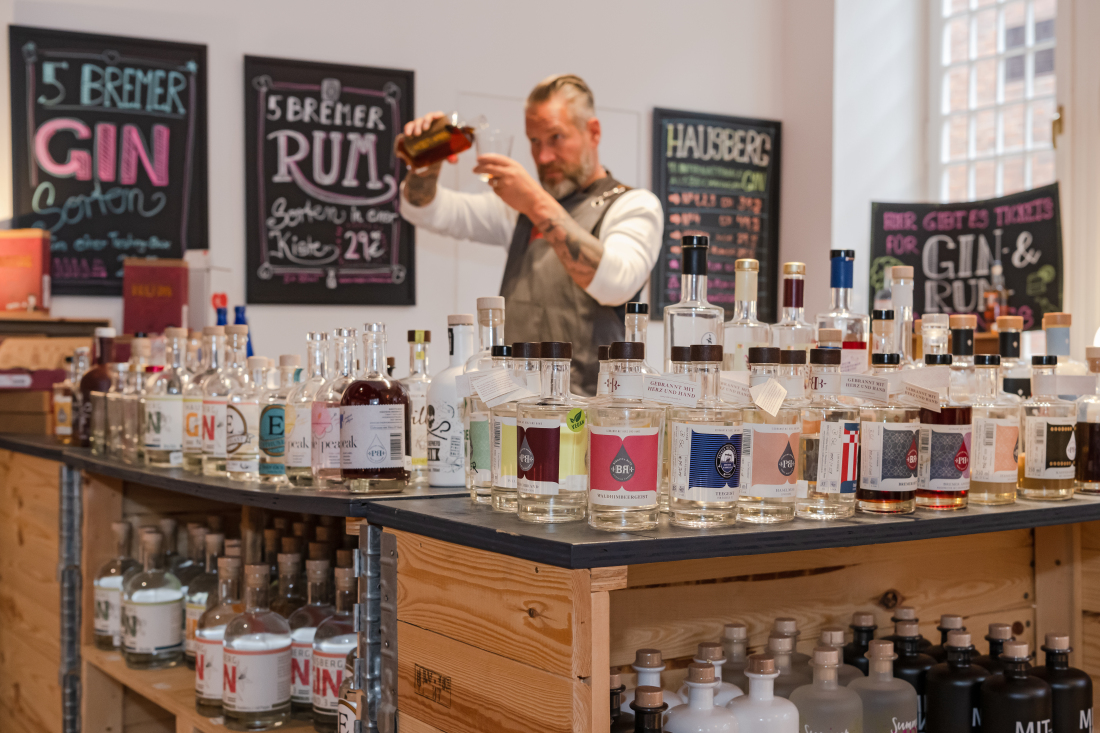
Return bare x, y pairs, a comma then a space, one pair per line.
827, 448
906, 613
787, 626
1088, 432
649, 665
162, 405
1056, 326
759, 710
417, 384
912, 665
735, 645
833, 636
1071, 689
863, 632
133, 395
855, 327
108, 589
789, 679
825, 705
621, 722
889, 703
712, 653
1048, 456
202, 594
948, 622
1015, 372
901, 297
792, 331
335, 637
889, 437
210, 635
994, 460
999, 633
152, 611
273, 421
702, 713
229, 376
649, 707
1012, 699
303, 627
954, 688
744, 331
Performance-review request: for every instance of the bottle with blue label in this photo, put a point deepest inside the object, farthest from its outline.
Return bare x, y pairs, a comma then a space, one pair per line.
273, 408
888, 436
829, 449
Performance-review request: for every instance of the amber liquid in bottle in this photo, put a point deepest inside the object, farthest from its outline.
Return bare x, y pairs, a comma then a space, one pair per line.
96, 379
436, 143
944, 499
1088, 454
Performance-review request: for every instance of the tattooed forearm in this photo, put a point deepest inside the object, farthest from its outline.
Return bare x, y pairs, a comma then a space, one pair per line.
577, 249
420, 189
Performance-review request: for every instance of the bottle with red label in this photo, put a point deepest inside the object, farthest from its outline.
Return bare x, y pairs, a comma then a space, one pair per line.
210, 634
943, 479
303, 628
624, 452
889, 455
335, 637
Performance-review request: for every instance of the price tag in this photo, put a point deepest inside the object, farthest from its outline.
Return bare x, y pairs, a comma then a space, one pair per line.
677, 392
497, 386
769, 396
865, 387
914, 394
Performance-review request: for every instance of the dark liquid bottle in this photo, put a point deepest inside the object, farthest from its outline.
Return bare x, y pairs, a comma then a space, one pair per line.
863, 631
1088, 456
96, 379
1015, 700
948, 622
997, 636
1071, 689
441, 139
620, 722
905, 613
649, 708
954, 689
945, 457
912, 666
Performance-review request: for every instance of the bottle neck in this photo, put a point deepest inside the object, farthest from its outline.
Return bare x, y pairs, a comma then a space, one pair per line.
701, 697
792, 314
649, 677
315, 592
345, 600
345, 357
255, 597
1008, 344
288, 584
122, 546
555, 378
910, 646
490, 328
934, 339
1039, 371
153, 561
228, 589
374, 349
286, 375
958, 656
881, 669
996, 647
762, 687
237, 352
418, 358
744, 295
637, 327
216, 358
1016, 668
761, 373
840, 299
708, 374
315, 359
211, 562
863, 635
259, 379
104, 345
736, 651
175, 353
461, 342
987, 381
649, 720
1058, 660
693, 288
825, 676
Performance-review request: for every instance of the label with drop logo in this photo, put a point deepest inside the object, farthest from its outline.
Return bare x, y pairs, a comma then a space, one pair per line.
1051, 448
944, 458
625, 465
768, 460
889, 456
551, 454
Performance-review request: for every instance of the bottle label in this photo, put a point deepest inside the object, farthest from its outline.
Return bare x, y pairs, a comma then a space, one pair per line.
299, 432
192, 424
213, 428
418, 424
504, 452
445, 440
107, 612
164, 422
62, 415
705, 462
853, 358
209, 664
996, 454
890, 456
255, 681
301, 653
151, 628
944, 457
242, 430
625, 466
832, 456
325, 421
550, 454
273, 431
328, 675
1051, 448
192, 613
346, 716
480, 448
769, 464
372, 436
1021, 387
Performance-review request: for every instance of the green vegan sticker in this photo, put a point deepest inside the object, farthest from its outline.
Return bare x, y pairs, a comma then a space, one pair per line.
575, 419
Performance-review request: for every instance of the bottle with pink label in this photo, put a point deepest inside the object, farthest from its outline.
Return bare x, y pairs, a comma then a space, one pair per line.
335, 637
325, 417
210, 634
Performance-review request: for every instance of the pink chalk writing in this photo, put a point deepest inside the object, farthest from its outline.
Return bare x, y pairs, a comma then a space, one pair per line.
893, 221
1026, 212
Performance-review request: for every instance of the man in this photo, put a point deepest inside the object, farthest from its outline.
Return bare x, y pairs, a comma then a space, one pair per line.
580, 245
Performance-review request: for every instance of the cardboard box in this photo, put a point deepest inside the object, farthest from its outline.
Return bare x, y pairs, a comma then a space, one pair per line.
26, 422
30, 400
154, 295
25, 270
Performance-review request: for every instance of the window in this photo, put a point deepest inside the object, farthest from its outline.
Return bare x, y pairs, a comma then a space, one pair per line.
993, 92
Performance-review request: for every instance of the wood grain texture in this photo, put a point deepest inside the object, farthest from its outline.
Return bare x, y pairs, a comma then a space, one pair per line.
1090, 578
351, 525
102, 506
1090, 651
100, 701
140, 715
599, 682
1058, 583
409, 724
613, 578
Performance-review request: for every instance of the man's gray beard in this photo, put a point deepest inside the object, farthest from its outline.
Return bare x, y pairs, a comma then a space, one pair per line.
572, 180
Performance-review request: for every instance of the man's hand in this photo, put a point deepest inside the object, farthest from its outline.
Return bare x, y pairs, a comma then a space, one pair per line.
513, 184
420, 184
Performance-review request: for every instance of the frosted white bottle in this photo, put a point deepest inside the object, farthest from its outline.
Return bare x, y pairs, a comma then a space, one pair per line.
760, 711
711, 652
833, 636
701, 713
446, 442
649, 665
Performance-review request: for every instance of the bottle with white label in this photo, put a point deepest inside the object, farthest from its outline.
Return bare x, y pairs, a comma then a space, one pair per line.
335, 637
943, 476
152, 612
215, 399
1049, 441
303, 627
744, 331
210, 636
256, 660
108, 589
889, 437
325, 416
289, 596
133, 394
825, 705
855, 327
552, 445
417, 384
759, 710
624, 452
792, 331
705, 452
962, 354
996, 439
889, 704
829, 448
299, 411
374, 424
693, 320
348, 704
475, 414
1056, 328
242, 423
769, 449
480, 434
446, 441
202, 595
681, 368
213, 352
702, 713
526, 367
163, 403
273, 421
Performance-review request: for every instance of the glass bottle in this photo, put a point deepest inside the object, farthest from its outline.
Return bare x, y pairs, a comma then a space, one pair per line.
194, 352
152, 612
824, 705
108, 590
202, 595
789, 679
526, 366
649, 709
1014, 700
273, 421
911, 665
649, 665
636, 322
620, 722
91, 421
888, 437
705, 455
711, 654
769, 451
603, 376
552, 445
256, 655
901, 297
996, 446
792, 331
475, 414
792, 375
962, 354
213, 341
374, 424
759, 710
855, 327
1087, 432
242, 423
787, 626
829, 447
299, 411
163, 404
1056, 327
195, 564
216, 388
480, 449
889, 704
325, 413
702, 711
948, 622
954, 689
133, 424
624, 452
735, 645
348, 704
303, 626
683, 369
883, 332
116, 422
833, 637
446, 467
288, 597
693, 320
210, 636
830, 338
1048, 465
917, 346
863, 633
1071, 689
1015, 372
61, 405
998, 634
744, 331
995, 299
445, 136
417, 384
943, 476
335, 637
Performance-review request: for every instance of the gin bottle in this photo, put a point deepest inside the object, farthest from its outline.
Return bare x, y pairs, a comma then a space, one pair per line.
325, 413
163, 401
91, 421
855, 327
417, 384
1015, 372
711, 654
133, 393
213, 352
446, 467
256, 659
480, 475
889, 704
792, 331
210, 636
789, 679
682, 368
962, 354
829, 448
792, 375
1013, 700
242, 422
108, 590
348, 704
735, 645
744, 331
215, 399
901, 297
303, 627
943, 477
833, 636
636, 322
769, 445
911, 665
948, 622
889, 450
1087, 432
527, 367
273, 421
693, 320
116, 420
335, 637
863, 632
954, 689
824, 705
1071, 689
998, 635
994, 466
649, 709
299, 411
883, 332
202, 595
552, 445
152, 612
1049, 463
475, 415
603, 375
702, 713
649, 665
289, 597
759, 710
624, 454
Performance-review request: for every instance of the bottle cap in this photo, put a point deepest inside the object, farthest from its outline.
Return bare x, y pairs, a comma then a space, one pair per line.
602, 353
694, 240
233, 548
318, 550
1051, 360
229, 565
880, 649
706, 352
936, 319
792, 356
460, 319
746, 265
642, 308
237, 329
700, 673
174, 332
782, 644
1057, 320
290, 360
214, 522
257, 576
214, 542
961, 321
344, 558
951, 621
693, 255
825, 357
526, 350
1015, 650
1092, 352
298, 528
786, 626
120, 529
105, 332
648, 697
615, 679
627, 350
899, 272
937, 359
317, 571
710, 651
1010, 323
826, 656
680, 353
498, 350
289, 562
556, 350
907, 629
885, 359
490, 302
761, 664
420, 337
289, 544
987, 360
763, 354
882, 315
735, 632
848, 254
323, 533
271, 538
141, 346
829, 335
794, 268
346, 579
1057, 641
648, 659
958, 639
863, 620
832, 636
257, 362
999, 632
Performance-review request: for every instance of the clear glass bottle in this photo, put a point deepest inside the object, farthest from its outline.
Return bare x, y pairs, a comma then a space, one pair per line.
475, 414
152, 612
889, 704
446, 462
1056, 327
624, 452
335, 637
735, 645
948, 622
299, 411
863, 632
790, 678
889, 446
693, 320
912, 665
163, 404
91, 421
829, 447
649, 665
833, 636
374, 424
210, 636
289, 597
769, 450
935, 336
792, 375
417, 385
325, 414
133, 391
788, 626
759, 710
883, 332
855, 327
527, 366
999, 633
793, 331
348, 704
303, 627
681, 368
256, 655
954, 688
1071, 689
636, 322
962, 355
480, 431
108, 590
195, 563
202, 595
744, 331
702, 711
712, 654
603, 376
1048, 465
552, 445
213, 341
901, 296
996, 446
830, 338
242, 423
824, 705
216, 388
1087, 432
1014, 700
116, 422
273, 421
705, 451
1015, 372
943, 475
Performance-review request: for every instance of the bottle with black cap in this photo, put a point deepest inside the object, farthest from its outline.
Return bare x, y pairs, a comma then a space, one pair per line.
693, 320
911, 665
705, 452
825, 705
744, 331
830, 439
769, 450
1016, 372
621, 722
863, 632
1071, 688
943, 479
649, 708
954, 688
1049, 445
759, 710
681, 361
997, 636
792, 331
962, 353
994, 463
889, 452
526, 368
901, 297
479, 431
889, 704
883, 332
855, 327
1013, 700
948, 622
637, 330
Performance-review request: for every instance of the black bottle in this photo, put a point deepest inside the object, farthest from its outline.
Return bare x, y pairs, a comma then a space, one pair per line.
649, 707
620, 722
1015, 700
1071, 688
948, 622
912, 666
863, 631
997, 636
954, 689
906, 613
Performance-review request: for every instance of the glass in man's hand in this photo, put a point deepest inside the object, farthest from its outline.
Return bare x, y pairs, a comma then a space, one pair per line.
493, 141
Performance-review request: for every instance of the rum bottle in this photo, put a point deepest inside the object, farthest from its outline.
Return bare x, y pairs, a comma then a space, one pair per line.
108, 590
335, 637
889, 437
829, 447
713, 655
443, 138
289, 596
693, 320
649, 665
833, 636
943, 478
769, 451
242, 422
789, 679
1048, 465
735, 645
1013, 700
759, 710
325, 413
163, 401
954, 689
152, 612
475, 415
948, 622
636, 322
906, 327
202, 595
995, 460
855, 327
824, 705
273, 421
890, 704
446, 467
299, 411
1071, 689
303, 628
863, 632
744, 331
998, 634
1087, 432
210, 637
417, 384
702, 713
216, 389
792, 331
911, 665
213, 341
649, 709
526, 366
91, 420
1015, 372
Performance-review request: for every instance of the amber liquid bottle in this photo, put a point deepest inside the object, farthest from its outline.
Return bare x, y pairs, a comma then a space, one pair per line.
442, 139
1071, 688
96, 379
889, 456
944, 478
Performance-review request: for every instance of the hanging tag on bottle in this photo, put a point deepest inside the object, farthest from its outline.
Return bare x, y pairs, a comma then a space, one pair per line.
462, 386
733, 387
676, 392
498, 386
865, 387
769, 396
914, 394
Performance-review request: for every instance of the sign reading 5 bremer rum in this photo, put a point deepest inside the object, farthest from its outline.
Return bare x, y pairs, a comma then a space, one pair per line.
108, 150
323, 184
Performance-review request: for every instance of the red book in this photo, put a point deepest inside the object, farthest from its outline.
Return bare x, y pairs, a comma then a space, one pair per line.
154, 295
24, 270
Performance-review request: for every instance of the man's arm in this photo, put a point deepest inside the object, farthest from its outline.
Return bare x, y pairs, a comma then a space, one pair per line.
420, 188
579, 251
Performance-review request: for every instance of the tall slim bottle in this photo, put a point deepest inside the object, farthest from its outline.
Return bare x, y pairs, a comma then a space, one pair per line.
995, 458
962, 354
108, 590
242, 422
202, 595
1049, 461
911, 665
889, 704
792, 331
152, 612
769, 451
446, 467
829, 447
1014, 700
303, 627
163, 404
702, 713
744, 331
889, 436
210, 637
1087, 432
636, 322
1071, 689
192, 397
299, 411
289, 596
417, 384
480, 443
335, 637
325, 416
735, 644
215, 399
954, 689
824, 705
863, 633
693, 320
273, 422
96, 381
855, 327
943, 476
759, 709
475, 416
901, 297
526, 366
884, 338
1015, 372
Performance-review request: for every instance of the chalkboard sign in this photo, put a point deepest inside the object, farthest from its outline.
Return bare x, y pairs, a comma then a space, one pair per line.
719, 177
324, 224
951, 248
108, 150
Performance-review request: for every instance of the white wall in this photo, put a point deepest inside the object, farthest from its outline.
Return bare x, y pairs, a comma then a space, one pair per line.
743, 57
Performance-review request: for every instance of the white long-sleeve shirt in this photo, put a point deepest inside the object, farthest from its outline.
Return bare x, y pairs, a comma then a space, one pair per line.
631, 234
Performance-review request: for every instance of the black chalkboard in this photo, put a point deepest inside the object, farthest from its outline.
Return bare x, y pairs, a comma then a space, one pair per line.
951, 248
717, 176
323, 184
108, 150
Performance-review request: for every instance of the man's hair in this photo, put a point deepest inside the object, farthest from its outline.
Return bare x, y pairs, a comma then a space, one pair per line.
572, 89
